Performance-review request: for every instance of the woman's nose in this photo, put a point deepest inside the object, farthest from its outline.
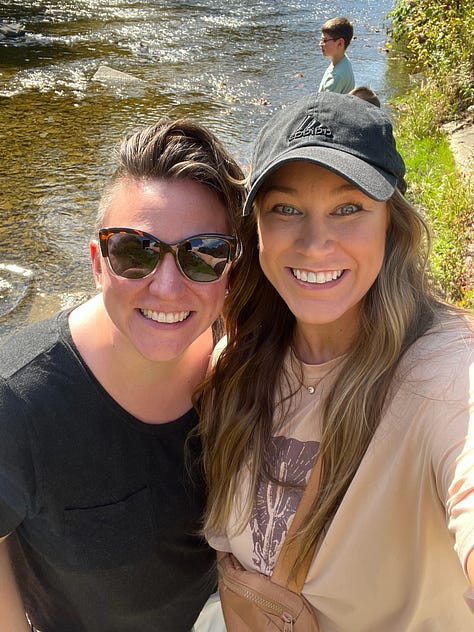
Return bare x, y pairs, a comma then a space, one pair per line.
167, 279
316, 236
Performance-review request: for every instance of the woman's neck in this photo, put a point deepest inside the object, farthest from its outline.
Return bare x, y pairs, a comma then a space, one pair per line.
153, 392
320, 344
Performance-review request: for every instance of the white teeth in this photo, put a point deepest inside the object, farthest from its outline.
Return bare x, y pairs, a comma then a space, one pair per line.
165, 317
316, 277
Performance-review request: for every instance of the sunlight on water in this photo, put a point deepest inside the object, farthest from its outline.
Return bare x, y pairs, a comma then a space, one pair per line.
228, 64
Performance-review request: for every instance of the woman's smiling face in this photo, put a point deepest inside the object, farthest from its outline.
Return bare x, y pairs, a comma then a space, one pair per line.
161, 315
321, 243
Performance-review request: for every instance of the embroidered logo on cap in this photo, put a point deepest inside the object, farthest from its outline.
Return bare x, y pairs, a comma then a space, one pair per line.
310, 126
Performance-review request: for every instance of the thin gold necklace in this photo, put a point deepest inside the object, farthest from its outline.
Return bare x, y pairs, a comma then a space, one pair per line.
311, 388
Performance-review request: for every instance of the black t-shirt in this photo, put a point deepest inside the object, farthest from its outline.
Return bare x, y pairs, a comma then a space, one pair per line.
105, 509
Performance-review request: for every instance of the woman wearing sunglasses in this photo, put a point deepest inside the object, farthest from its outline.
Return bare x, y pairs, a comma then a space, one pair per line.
340, 354
99, 498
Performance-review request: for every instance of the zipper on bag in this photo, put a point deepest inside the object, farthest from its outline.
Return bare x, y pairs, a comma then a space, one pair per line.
288, 620
271, 606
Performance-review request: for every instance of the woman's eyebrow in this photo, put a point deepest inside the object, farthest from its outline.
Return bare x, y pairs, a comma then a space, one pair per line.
279, 188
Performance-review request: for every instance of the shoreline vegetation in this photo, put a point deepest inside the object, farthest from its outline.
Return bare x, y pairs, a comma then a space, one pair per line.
435, 41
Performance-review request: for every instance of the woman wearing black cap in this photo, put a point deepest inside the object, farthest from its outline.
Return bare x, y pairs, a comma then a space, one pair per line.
339, 349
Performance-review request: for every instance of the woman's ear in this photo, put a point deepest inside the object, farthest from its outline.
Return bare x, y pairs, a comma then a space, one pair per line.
96, 261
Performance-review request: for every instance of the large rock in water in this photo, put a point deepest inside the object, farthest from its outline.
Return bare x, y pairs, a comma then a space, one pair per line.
10, 31
14, 285
105, 74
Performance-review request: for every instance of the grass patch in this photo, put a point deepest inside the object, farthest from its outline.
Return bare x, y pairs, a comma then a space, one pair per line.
435, 39
436, 187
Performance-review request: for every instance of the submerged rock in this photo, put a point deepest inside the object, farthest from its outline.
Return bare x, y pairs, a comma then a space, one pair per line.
15, 282
105, 74
11, 31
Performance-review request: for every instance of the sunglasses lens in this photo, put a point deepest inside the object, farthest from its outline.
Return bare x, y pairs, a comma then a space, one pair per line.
204, 259
132, 256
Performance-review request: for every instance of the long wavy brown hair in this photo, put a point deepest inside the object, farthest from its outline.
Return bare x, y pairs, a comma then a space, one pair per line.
238, 406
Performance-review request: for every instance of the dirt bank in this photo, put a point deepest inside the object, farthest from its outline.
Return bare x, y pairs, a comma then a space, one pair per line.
461, 139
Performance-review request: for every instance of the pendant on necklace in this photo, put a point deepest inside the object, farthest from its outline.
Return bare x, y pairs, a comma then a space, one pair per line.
311, 389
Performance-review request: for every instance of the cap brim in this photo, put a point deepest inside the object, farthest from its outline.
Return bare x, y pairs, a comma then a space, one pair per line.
371, 180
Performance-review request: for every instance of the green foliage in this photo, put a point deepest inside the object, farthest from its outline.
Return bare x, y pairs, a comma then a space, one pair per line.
437, 34
438, 41
435, 186
422, 106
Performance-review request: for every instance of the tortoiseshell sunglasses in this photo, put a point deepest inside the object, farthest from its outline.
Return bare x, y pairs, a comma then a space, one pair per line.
134, 254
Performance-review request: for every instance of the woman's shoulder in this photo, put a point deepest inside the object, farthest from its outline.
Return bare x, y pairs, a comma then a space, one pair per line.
443, 355
451, 330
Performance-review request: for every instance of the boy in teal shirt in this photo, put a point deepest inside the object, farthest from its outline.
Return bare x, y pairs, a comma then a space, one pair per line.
336, 36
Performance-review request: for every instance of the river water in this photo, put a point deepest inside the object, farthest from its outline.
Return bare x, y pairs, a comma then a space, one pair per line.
229, 64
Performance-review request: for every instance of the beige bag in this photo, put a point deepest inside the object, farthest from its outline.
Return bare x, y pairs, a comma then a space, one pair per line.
253, 602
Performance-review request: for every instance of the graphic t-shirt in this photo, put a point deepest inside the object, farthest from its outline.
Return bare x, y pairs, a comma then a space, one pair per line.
393, 557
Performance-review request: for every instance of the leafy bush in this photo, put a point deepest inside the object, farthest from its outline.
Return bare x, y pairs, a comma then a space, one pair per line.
438, 41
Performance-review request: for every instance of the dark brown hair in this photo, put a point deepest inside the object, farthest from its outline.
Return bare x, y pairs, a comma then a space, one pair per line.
339, 27
179, 148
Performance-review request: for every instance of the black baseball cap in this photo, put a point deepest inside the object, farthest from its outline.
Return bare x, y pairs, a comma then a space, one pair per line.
341, 132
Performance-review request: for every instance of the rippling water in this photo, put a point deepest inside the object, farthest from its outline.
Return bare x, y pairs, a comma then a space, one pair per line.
229, 64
